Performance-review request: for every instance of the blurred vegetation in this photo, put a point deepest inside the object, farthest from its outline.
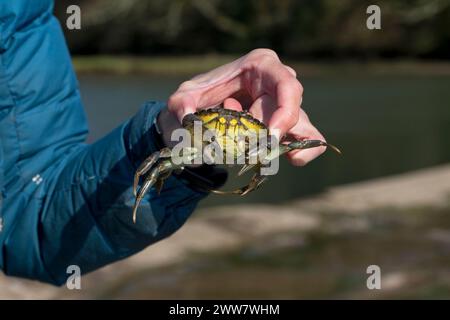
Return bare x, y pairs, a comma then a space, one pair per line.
307, 29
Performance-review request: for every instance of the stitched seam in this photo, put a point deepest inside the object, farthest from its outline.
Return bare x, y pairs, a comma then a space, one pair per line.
39, 21
14, 100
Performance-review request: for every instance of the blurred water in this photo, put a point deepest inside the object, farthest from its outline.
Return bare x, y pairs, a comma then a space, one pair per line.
383, 124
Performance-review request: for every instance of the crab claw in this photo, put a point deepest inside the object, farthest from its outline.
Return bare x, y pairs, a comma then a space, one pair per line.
307, 144
163, 165
143, 169
148, 164
299, 145
149, 182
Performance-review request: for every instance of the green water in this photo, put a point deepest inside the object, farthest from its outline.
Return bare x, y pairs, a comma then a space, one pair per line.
384, 125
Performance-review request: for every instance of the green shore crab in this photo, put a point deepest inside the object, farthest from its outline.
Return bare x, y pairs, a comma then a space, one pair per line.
231, 133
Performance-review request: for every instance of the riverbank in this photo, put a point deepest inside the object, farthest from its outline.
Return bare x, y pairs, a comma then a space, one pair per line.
401, 222
190, 65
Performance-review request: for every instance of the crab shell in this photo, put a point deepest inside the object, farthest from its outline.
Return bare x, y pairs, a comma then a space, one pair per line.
232, 130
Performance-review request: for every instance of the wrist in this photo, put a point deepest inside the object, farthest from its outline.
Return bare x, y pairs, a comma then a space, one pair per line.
165, 124
139, 133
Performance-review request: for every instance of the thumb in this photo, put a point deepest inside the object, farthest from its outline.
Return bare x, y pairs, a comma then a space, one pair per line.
181, 104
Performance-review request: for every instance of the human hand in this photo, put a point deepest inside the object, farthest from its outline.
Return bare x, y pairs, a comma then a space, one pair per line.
258, 82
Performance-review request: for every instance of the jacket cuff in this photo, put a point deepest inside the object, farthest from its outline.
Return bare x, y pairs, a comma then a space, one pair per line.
139, 138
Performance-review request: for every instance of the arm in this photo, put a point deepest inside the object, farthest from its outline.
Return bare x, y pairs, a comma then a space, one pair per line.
70, 203
66, 202
82, 212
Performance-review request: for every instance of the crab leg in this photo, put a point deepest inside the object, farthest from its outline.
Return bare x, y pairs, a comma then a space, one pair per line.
143, 169
149, 182
245, 168
306, 144
256, 181
299, 145
158, 174
164, 168
147, 164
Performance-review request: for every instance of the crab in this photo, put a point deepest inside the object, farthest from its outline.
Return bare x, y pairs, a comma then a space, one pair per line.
229, 132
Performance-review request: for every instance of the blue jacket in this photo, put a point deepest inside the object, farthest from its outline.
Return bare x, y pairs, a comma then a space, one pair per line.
64, 202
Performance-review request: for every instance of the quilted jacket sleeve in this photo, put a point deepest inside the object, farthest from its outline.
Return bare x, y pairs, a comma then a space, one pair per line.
64, 202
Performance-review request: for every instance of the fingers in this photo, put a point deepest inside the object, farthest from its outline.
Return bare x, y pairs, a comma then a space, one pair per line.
181, 105
206, 90
289, 94
291, 71
191, 97
232, 104
259, 73
267, 75
263, 108
305, 130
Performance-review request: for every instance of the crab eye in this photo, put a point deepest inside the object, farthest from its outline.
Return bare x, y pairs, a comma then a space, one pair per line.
212, 139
